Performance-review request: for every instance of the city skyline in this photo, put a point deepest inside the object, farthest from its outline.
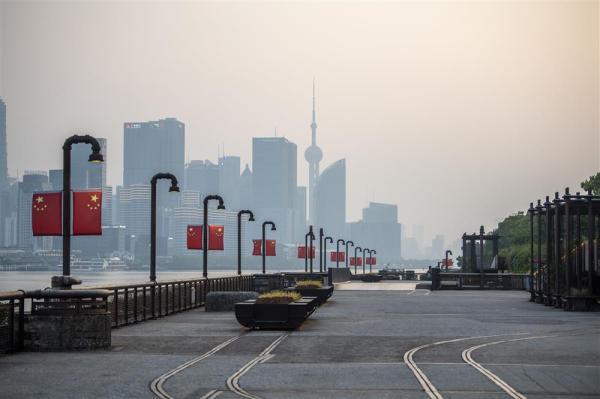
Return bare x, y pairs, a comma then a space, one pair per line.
401, 135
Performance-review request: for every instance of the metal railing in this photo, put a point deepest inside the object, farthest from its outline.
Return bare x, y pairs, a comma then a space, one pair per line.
500, 281
133, 303
12, 317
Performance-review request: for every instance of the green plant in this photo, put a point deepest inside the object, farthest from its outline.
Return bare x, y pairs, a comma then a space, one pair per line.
278, 297
309, 284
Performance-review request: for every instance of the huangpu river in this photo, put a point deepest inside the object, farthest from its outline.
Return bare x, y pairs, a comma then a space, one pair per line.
10, 281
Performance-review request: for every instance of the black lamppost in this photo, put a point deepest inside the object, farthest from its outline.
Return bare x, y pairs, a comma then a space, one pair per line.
95, 156
447, 252
337, 252
173, 188
264, 244
325, 251
356, 260
371, 252
321, 235
239, 220
348, 242
205, 231
307, 254
364, 253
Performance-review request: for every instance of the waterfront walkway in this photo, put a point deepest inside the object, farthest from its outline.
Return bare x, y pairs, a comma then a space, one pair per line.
361, 344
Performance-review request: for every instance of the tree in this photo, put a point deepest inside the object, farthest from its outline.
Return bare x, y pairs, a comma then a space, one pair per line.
593, 183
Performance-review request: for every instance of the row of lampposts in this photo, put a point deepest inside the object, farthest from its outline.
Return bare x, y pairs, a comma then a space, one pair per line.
309, 237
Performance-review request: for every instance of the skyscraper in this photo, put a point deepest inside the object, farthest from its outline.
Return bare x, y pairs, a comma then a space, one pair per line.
229, 180
330, 195
152, 147
274, 182
203, 177
3, 144
379, 229
313, 156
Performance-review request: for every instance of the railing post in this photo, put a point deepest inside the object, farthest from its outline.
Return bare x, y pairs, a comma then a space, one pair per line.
21, 336
135, 303
126, 299
116, 306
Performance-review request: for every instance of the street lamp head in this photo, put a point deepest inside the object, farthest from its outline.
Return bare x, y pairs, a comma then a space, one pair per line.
221, 206
174, 189
96, 157
273, 228
251, 218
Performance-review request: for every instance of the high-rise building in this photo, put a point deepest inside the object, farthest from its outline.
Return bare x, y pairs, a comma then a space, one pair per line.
153, 147
300, 215
418, 232
3, 147
202, 177
274, 177
274, 183
313, 156
246, 192
379, 230
330, 195
55, 177
229, 180
437, 246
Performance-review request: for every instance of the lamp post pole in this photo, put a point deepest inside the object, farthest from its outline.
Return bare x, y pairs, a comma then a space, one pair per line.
95, 156
264, 244
325, 252
205, 230
321, 235
239, 237
447, 253
311, 238
356, 260
337, 252
371, 259
348, 242
364, 253
174, 188
306, 253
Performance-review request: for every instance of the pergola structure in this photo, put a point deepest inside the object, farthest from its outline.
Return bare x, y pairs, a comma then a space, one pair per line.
470, 242
565, 251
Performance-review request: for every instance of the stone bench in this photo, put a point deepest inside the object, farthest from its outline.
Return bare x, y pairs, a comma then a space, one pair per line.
219, 301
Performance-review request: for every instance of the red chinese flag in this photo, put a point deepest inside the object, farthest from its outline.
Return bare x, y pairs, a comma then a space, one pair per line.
356, 261
270, 250
352, 261
87, 213
215, 237
301, 252
257, 247
373, 261
194, 237
338, 255
46, 214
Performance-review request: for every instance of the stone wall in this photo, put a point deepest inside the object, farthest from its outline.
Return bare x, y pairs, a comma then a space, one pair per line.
58, 332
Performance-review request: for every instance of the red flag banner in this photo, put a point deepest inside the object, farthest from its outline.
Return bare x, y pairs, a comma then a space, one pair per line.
215, 237
373, 261
256, 247
46, 214
194, 237
450, 262
87, 213
356, 261
270, 247
335, 256
302, 252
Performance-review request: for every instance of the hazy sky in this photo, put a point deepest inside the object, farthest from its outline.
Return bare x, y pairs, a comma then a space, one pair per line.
460, 113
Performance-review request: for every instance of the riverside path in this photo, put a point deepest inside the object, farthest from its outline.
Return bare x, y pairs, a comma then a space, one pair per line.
392, 343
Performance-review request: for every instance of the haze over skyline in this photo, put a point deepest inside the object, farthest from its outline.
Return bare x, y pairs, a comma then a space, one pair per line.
458, 113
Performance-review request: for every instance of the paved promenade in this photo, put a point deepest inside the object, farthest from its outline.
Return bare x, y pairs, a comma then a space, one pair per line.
362, 344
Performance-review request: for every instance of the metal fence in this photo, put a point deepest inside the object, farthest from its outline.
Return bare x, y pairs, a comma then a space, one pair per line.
500, 281
133, 303
127, 304
12, 316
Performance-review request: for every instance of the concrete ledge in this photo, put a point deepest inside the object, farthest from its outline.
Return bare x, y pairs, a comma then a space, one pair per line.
220, 301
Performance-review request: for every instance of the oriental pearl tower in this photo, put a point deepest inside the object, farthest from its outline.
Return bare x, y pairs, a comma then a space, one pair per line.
313, 156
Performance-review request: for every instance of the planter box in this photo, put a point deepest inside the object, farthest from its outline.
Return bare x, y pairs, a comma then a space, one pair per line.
276, 316
322, 294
